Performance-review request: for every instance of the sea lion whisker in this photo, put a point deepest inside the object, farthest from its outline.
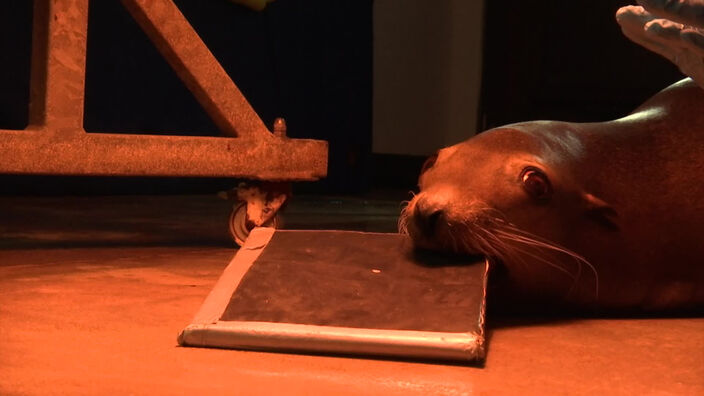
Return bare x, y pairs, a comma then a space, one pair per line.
537, 257
483, 245
505, 252
534, 240
403, 221
574, 277
531, 238
577, 276
494, 244
458, 234
547, 243
487, 241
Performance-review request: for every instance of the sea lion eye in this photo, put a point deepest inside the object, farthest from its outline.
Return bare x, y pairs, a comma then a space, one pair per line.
429, 163
536, 183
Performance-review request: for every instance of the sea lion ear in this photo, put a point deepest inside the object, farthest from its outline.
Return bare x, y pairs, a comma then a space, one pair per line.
600, 211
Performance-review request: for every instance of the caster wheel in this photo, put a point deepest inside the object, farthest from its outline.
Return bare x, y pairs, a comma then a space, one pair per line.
240, 226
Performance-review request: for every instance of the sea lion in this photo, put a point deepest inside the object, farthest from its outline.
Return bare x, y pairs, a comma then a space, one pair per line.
605, 215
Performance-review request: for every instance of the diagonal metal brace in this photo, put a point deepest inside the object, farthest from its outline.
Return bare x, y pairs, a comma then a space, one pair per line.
181, 46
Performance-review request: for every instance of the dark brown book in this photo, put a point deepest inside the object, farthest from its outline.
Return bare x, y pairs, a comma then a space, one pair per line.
344, 292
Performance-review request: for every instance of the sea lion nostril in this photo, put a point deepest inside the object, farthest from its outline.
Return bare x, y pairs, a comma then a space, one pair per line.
434, 218
427, 221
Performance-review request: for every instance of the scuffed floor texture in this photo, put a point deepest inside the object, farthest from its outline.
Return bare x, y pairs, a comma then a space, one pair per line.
93, 292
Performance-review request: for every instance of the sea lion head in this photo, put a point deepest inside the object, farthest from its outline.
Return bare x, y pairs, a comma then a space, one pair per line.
513, 194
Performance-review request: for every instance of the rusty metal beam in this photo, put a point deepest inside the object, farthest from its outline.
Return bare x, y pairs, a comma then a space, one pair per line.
148, 155
181, 46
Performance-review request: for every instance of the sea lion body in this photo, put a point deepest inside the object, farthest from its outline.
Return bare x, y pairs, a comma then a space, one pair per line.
625, 197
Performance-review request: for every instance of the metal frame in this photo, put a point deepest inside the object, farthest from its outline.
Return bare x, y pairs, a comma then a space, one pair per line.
56, 143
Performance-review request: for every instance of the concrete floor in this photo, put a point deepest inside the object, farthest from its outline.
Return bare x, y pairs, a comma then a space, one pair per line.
93, 292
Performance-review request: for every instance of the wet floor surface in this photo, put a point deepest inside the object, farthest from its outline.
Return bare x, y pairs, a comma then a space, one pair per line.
94, 290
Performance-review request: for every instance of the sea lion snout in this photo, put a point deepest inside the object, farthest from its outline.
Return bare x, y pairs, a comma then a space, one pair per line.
425, 217
427, 214
434, 217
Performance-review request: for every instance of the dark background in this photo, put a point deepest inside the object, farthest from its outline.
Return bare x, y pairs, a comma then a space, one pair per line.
564, 60
310, 61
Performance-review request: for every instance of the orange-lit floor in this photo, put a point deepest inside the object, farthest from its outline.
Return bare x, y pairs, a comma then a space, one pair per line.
93, 292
